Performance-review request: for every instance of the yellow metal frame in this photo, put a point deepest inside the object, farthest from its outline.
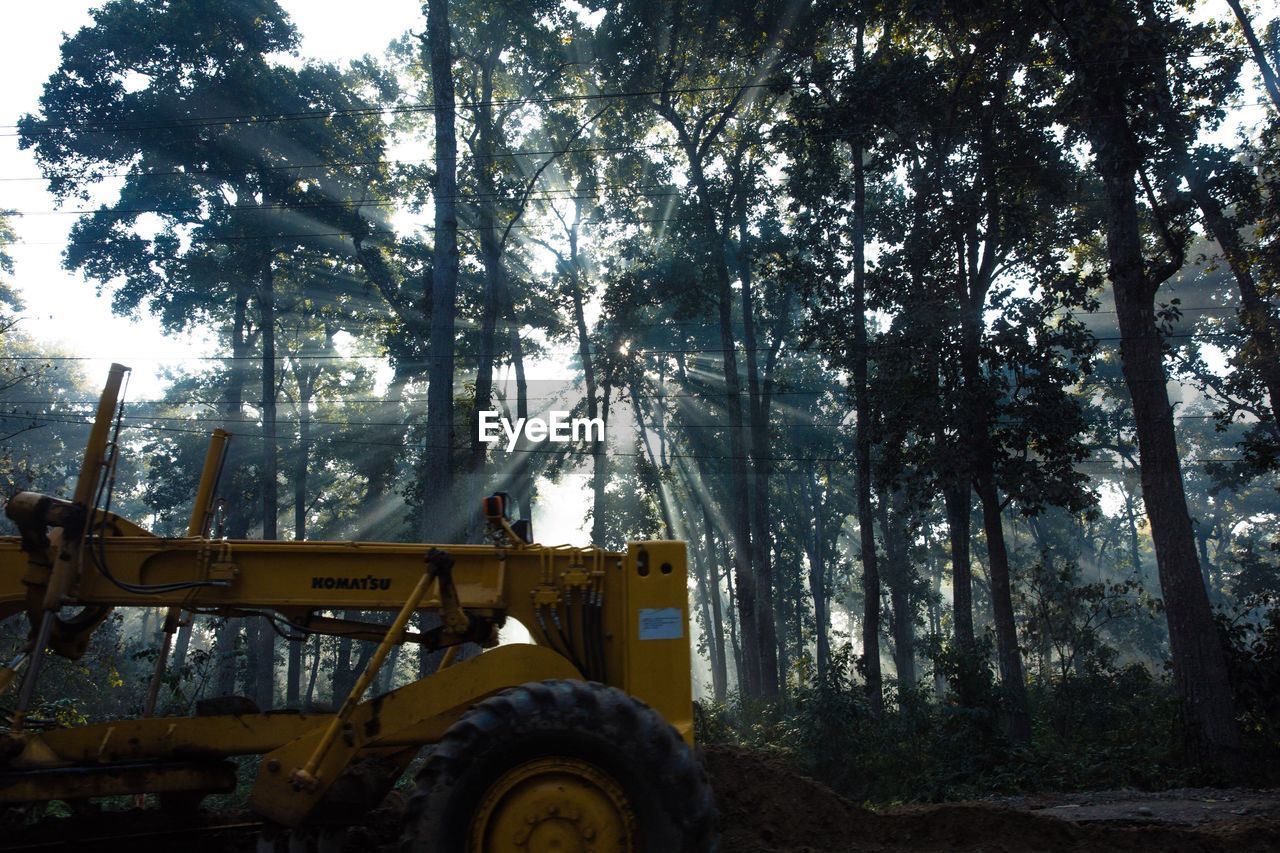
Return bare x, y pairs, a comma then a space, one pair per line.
417, 713
638, 603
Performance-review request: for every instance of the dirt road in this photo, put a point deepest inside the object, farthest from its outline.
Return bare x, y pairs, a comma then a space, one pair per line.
765, 808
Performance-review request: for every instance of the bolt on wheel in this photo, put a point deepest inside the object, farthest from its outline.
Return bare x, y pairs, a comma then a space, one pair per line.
555, 804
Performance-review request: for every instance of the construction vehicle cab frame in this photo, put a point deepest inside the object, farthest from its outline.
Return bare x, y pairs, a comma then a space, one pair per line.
581, 739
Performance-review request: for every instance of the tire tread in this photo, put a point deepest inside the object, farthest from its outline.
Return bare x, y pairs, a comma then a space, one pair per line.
603, 714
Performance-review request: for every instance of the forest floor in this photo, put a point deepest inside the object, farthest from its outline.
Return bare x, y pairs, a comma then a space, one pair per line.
765, 807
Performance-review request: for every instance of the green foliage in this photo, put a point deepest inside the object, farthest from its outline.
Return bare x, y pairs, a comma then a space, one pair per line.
1107, 727
9, 300
1066, 619
1111, 728
104, 684
1251, 637
738, 169
45, 409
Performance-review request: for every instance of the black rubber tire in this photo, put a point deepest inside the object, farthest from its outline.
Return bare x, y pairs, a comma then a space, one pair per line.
616, 733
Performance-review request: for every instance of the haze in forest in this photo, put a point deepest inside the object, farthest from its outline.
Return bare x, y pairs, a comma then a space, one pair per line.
945, 336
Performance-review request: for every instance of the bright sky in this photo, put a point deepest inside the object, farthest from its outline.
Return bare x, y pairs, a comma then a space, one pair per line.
65, 311
62, 308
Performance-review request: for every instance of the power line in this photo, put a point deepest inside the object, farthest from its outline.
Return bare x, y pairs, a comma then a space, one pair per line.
662, 324
584, 452
475, 229
1102, 418
472, 155
355, 205
601, 192
554, 152
1129, 419
195, 401
631, 147
550, 194
330, 204
237, 119
566, 351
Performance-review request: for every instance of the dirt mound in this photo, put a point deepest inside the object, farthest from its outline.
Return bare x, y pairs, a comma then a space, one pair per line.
767, 808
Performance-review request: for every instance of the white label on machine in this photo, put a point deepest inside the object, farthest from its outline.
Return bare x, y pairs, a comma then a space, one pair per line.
661, 623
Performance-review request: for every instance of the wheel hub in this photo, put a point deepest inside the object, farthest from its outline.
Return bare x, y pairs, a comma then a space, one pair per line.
554, 805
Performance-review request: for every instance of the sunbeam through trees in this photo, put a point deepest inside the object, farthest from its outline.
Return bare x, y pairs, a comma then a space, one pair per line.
945, 335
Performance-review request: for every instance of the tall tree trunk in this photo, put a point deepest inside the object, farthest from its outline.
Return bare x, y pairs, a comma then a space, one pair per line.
1135, 543
661, 394
440, 521
936, 571
270, 448
387, 675
598, 461
377, 516
293, 676
898, 575
264, 645
758, 419
525, 489
227, 633
862, 434
1199, 666
904, 641
148, 616
519, 481
182, 643
664, 506
759, 643
1211, 575
340, 685
491, 259
976, 264
600, 472
783, 609
301, 464
227, 653
719, 666
799, 605
702, 594
759, 667
1010, 657
739, 666
957, 499
315, 671
816, 547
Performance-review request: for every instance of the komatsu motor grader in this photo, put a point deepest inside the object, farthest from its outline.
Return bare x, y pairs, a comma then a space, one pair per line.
580, 741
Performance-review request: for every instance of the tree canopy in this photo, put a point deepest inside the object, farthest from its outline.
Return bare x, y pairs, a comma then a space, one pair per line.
945, 334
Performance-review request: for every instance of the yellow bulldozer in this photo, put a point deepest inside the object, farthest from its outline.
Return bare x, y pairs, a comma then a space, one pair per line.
579, 741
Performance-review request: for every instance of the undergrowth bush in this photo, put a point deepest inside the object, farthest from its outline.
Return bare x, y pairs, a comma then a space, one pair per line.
1251, 638
1101, 727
